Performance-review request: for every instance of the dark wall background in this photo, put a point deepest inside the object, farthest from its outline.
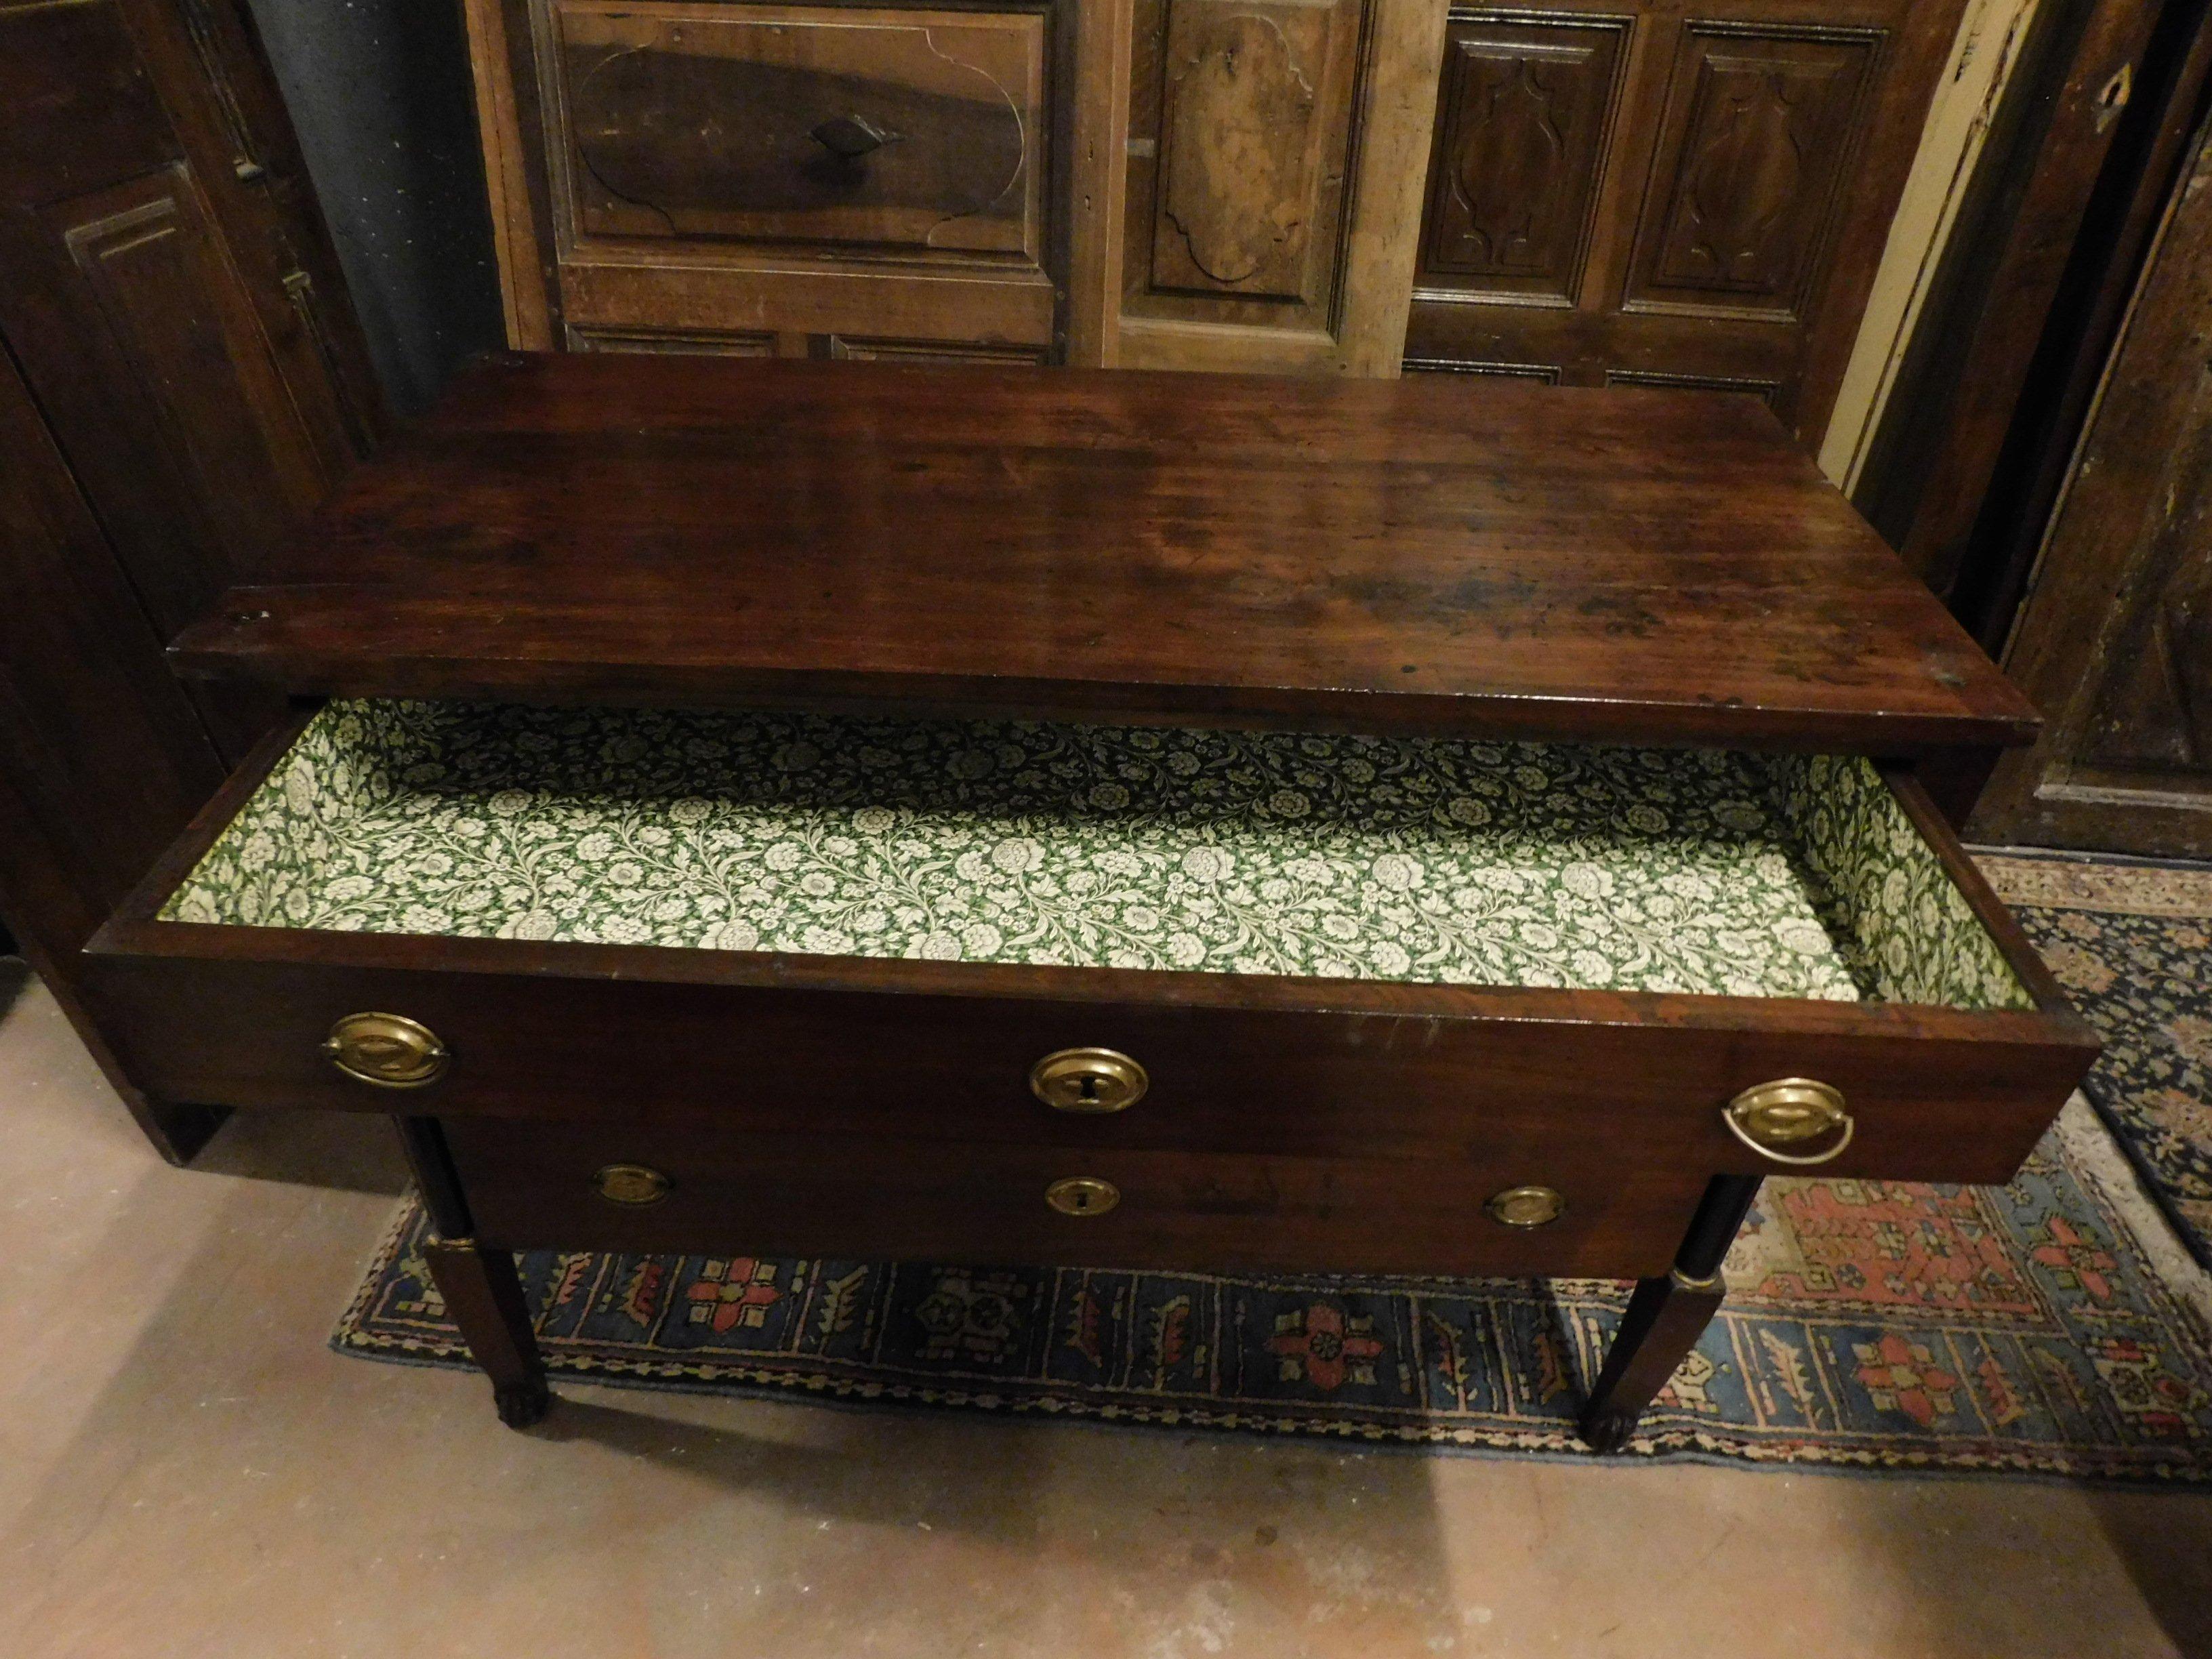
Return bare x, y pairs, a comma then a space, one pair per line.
380, 94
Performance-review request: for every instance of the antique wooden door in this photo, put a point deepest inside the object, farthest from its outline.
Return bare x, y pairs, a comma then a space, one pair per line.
2115, 641
1646, 192
1197, 184
165, 288
181, 379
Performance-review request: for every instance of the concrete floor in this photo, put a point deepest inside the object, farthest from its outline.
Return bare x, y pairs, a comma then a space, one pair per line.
186, 1469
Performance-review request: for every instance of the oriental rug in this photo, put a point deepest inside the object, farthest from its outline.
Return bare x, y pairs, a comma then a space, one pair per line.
2052, 1326
2132, 943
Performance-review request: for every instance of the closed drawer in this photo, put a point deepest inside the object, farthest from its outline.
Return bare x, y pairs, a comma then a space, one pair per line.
590, 1188
1317, 948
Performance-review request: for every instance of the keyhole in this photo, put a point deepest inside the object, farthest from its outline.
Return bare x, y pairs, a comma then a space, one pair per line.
1082, 1195
1087, 1090
2112, 96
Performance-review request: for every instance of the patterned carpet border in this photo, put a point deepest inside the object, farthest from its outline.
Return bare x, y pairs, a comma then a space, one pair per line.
2050, 1328
2132, 945
2060, 881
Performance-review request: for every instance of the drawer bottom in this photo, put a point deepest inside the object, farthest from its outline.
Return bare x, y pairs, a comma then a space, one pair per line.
587, 1187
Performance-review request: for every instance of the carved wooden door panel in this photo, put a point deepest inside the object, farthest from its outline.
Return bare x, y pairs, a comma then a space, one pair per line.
1225, 184
168, 295
1669, 194
1269, 207
2115, 642
759, 180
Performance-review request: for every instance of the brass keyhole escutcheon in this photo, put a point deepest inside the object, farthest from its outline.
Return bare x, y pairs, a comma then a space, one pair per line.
389, 1050
1083, 1195
1525, 1207
1088, 1080
633, 1184
2112, 97
1779, 1119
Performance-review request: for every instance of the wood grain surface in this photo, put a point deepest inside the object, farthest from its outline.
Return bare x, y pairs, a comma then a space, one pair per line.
1425, 556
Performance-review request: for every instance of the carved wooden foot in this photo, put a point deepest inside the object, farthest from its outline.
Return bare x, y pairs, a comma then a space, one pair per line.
1666, 1317
523, 1404
484, 1295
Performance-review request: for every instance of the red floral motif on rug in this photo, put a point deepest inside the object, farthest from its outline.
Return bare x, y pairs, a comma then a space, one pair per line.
1900, 1374
738, 1292
1890, 1244
1320, 1343
2076, 1261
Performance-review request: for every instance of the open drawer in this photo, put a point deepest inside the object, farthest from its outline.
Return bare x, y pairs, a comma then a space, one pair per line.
873, 930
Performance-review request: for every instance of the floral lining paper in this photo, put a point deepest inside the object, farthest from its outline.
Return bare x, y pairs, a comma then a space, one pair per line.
1702, 871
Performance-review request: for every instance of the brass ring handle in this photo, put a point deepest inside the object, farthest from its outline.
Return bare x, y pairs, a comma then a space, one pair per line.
389, 1050
1770, 1118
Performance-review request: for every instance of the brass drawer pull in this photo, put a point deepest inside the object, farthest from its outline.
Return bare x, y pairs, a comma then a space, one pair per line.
1775, 1117
1525, 1207
1088, 1080
635, 1185
389, 1050
1083, 1195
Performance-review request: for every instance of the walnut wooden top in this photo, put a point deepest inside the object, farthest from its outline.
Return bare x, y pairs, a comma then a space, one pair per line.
1423, 554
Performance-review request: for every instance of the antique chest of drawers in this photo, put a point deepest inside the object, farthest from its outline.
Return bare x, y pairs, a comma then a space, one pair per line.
1101, 819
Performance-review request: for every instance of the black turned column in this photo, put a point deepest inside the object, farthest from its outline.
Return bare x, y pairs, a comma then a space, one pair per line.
1666, 1317
482, 1290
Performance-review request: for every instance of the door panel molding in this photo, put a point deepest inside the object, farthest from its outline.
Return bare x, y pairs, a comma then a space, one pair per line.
1525, 119
1738, 190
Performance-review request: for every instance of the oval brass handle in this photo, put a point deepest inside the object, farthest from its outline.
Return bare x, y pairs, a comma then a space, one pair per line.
389, 1050
633, 1184
1088, 1080
1772, 1118
1083, 1195
849, 137
1525, 1207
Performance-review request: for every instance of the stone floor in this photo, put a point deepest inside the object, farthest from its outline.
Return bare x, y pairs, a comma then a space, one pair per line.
184, 1469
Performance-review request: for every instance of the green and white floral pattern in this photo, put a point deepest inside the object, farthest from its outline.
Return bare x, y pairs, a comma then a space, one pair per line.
1513, 864
1905, 929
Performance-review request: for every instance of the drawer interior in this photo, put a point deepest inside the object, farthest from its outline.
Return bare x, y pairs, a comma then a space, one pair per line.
1499, 864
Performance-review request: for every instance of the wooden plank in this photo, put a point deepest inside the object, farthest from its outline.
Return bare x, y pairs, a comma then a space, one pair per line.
1406, 55
1100, 143
521, 282
1937, 455
1426, 557
1968, 96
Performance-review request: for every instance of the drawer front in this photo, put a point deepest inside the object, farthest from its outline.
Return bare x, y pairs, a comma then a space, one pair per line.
829, 128
1930, 1102
707, 1191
